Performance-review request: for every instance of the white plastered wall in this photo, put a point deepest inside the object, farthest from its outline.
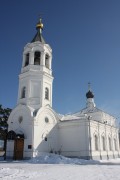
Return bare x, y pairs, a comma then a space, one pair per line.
44, 130
100, 129
73, 138
25, 127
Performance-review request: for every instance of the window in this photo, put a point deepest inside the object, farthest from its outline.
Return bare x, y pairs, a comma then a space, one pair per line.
45, 138
115, 144
29, 146
47, 61
27, 59
96, 143
46, 120
20, 119
103, 143
37, 55
110, 145
47, 93
23, 94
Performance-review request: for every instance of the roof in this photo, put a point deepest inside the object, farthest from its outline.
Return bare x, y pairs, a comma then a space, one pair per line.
89, 94
94, 113
38, 37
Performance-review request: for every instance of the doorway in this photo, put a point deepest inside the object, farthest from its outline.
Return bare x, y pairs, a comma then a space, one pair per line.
18, 148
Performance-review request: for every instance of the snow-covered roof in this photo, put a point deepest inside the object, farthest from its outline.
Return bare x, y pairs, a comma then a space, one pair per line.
69, 117
95, 114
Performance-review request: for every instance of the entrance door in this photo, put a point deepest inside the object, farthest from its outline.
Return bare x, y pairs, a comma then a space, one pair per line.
18, 149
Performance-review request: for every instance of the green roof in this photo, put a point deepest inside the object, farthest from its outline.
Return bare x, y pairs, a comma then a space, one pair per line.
38, 37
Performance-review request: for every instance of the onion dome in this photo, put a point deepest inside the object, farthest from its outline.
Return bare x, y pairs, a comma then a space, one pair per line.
38, 36
89, 94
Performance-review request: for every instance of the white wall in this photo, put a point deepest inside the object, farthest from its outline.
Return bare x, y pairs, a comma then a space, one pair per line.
73, 138
44, 130
25, 127
101, 129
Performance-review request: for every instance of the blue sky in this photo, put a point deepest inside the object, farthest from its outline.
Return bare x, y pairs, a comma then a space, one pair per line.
85, 38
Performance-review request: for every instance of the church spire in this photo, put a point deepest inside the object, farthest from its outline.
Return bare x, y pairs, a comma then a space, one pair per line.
38, 36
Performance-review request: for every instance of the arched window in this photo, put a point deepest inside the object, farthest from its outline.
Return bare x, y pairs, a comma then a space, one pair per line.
37, 55
96, 142
115, 144
47, 61
27, 59
47, 93
23, 93
20, 119
103, 143
110, 145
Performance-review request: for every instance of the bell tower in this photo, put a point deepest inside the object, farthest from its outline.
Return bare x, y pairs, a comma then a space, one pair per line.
35, 79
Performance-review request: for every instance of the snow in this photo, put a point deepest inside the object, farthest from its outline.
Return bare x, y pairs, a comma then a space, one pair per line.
57, 167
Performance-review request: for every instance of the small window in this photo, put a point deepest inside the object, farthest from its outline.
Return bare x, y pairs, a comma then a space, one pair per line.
47, 61
46, 120
37, 58
47, 93
23, 93
96, 143
20, 119
29, 146
45, 138
27, 59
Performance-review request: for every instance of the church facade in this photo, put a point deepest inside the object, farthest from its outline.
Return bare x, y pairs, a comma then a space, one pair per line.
35, 128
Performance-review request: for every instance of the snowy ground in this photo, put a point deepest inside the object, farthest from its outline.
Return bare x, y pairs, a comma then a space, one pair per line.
55, 167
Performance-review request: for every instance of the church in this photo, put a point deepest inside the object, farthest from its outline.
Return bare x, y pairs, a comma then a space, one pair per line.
35, 128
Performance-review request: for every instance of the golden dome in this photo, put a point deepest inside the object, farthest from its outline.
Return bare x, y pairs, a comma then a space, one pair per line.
39, 24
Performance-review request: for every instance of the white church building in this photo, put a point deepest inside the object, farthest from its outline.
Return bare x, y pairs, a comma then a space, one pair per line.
35, 128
